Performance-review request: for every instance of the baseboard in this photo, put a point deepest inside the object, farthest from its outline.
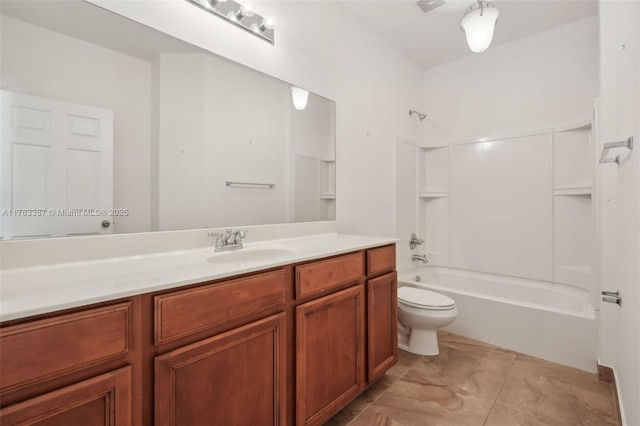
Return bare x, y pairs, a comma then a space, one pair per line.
607, 375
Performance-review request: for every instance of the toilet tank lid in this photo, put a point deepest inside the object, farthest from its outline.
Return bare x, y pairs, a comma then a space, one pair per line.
421, 297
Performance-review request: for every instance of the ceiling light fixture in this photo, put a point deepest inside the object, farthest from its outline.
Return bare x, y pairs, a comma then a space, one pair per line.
299, 97
243, 16
478, 24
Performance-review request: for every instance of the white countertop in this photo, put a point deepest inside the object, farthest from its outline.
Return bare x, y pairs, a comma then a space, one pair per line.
36, 290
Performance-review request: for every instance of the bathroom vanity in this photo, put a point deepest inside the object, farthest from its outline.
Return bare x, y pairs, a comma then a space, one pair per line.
276, 342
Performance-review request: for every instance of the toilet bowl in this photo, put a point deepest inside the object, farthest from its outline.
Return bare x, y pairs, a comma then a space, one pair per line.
420, 313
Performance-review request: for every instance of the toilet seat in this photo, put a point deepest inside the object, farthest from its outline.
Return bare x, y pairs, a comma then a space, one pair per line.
425, 299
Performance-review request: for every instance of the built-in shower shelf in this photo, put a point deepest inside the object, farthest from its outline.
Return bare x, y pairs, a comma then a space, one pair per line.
576, 190
434, 194
434, 147
577, 269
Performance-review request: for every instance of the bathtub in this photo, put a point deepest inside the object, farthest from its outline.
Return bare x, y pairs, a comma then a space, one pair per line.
545, 320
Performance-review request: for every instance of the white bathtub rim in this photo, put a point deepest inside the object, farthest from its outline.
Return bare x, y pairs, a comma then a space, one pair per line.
408, 278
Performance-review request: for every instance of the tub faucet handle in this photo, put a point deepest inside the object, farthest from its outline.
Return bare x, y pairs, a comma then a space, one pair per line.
414, 241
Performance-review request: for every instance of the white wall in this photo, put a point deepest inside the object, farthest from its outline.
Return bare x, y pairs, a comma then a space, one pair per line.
220, 122
620, 201
530, 84
88, 74
320, 47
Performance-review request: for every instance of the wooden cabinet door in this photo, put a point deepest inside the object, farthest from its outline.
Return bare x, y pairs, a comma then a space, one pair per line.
104, 400
235, 378
382, 324
329, 354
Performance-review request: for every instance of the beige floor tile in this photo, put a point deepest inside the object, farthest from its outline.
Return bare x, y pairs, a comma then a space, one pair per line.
556, 395
350, 412
562, 373
372, 417
504, 416
470, 369
473, 383
454, 339
418, 403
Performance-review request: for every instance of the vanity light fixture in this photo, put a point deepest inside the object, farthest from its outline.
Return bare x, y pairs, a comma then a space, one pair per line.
299, 97
243, 16
478, 24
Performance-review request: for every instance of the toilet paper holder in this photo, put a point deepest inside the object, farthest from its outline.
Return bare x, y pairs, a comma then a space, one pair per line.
612, 297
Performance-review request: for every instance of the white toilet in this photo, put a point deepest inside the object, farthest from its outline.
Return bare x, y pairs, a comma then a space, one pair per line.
421, 312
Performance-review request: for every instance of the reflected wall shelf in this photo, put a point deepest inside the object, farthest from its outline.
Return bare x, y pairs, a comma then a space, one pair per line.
434, 194
578, 190
327, 207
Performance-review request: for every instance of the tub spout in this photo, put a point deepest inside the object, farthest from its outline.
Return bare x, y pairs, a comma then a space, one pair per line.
421, 257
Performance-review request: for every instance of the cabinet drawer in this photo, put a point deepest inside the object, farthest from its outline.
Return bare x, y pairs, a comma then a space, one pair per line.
36, 351
380, 260
186, 312
317, 277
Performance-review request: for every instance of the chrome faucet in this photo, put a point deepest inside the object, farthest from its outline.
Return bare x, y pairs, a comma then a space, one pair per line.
231, 240
421, 257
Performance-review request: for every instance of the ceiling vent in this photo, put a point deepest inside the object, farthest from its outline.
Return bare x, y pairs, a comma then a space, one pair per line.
426, 6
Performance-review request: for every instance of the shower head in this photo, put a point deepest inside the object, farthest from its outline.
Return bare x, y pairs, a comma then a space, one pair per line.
420, 115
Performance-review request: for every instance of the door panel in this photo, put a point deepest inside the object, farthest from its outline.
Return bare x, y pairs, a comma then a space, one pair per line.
330, 354
382, 324
236, 378
103, 400
55, 157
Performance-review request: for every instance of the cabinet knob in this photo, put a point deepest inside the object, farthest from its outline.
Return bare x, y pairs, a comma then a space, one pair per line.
106, 224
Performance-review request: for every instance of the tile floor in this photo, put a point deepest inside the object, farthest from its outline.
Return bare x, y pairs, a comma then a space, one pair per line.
473, 383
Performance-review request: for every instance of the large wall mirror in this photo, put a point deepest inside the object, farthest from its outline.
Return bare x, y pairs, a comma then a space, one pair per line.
109, 126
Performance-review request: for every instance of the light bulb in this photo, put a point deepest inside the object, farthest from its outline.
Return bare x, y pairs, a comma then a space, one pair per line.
211, 4
478, 27
299, 97
244, 12
265, 25
247, 11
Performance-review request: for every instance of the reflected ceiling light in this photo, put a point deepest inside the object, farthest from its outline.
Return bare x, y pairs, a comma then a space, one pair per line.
243, 16
478, 24
299, 97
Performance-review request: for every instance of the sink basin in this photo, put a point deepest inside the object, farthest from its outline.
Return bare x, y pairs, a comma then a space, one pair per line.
250, 255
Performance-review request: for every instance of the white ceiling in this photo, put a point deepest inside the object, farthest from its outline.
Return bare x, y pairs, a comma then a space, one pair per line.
435, 38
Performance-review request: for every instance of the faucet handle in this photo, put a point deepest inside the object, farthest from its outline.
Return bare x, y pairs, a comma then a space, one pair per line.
414, 241
240, 234
220, 238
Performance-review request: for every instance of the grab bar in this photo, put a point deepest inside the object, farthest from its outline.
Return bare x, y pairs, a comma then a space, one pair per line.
627, 143
230, 183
